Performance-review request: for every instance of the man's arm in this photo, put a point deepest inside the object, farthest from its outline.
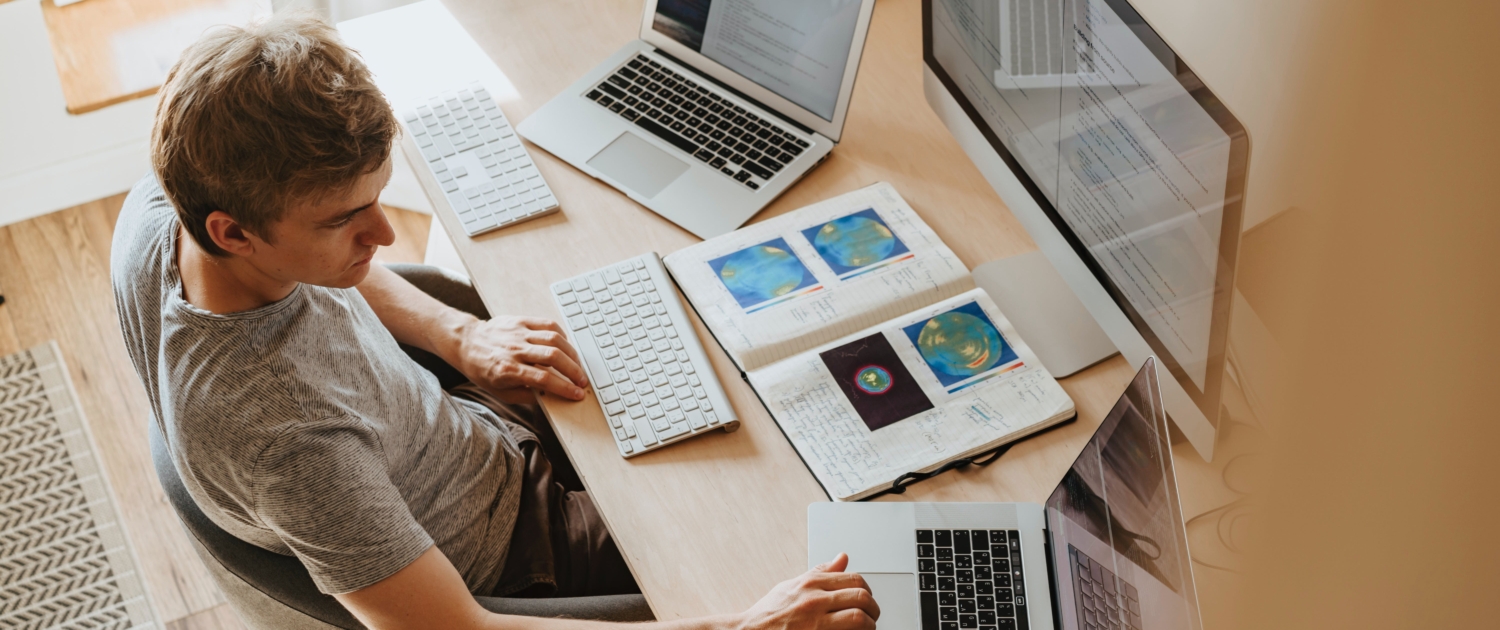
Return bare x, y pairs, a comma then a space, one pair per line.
502, 353
429, 593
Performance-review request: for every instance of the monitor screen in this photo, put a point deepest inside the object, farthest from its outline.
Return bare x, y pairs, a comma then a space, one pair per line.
795, 48
1115, 527
1131, 157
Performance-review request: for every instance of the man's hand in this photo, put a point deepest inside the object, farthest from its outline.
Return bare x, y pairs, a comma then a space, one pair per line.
506, 354
824, 598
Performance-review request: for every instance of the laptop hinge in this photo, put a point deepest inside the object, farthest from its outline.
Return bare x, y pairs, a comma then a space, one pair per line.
770, 110
1054, 589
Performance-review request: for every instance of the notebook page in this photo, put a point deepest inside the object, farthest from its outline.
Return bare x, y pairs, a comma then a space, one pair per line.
948, 381
777, 288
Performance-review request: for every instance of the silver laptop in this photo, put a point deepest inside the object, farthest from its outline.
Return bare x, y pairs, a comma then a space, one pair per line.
1108, 551
718, 108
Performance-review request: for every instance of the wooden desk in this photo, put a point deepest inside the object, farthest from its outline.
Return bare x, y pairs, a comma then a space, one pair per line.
709, 525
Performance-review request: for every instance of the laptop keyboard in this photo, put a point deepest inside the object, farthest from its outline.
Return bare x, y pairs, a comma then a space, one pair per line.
1105, 601
748, 148
971, 579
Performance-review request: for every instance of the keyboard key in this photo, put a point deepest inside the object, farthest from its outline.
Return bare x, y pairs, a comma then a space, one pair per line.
645, 432
754, 168
667, 134
674, 430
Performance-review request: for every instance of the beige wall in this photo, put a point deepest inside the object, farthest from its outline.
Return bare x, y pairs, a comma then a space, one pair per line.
1250, 53
1376, 121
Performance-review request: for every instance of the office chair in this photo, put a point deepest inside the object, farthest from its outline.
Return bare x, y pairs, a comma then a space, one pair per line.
270, 590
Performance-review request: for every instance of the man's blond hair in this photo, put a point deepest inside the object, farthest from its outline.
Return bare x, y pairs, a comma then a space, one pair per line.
255, 119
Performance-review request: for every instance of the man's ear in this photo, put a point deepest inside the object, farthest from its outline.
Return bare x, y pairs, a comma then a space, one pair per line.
229, 235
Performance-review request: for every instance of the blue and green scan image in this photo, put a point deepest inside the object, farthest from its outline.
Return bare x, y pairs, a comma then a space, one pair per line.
960, 344
856, 241
762, 273
873, 379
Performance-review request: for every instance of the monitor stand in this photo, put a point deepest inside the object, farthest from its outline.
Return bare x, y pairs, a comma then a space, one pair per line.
1045, 312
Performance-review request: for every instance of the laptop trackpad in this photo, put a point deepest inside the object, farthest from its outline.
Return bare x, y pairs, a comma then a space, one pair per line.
897, 595
639, 166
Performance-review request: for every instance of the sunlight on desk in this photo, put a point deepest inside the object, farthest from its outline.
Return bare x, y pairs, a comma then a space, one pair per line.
420, 50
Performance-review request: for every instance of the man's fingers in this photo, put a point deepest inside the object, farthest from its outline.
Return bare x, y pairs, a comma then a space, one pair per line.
838, 563
830, 581
851, 619
539, 323
855, 598
557, 359
549, 381
554, 339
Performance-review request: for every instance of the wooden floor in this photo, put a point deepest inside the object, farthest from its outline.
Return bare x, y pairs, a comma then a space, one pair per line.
54, 274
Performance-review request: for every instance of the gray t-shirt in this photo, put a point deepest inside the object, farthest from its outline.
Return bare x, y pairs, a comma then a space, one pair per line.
302, 428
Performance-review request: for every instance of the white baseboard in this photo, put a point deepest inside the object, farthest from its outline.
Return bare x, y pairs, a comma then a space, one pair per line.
73, 182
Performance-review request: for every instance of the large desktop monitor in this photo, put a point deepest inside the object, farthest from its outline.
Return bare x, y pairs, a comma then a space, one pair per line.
1123, 167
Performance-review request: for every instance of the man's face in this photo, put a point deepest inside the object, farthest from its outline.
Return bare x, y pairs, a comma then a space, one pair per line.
330, 243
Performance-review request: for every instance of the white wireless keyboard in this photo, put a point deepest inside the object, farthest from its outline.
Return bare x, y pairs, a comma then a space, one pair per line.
486, 175
645, 364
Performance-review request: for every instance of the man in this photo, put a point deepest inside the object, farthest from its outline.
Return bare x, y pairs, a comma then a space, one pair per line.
268, 345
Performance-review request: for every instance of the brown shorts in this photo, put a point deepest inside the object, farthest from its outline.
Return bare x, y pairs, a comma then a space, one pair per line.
560, 547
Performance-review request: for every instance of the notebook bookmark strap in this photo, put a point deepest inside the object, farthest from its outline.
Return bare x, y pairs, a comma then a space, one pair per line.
983, 459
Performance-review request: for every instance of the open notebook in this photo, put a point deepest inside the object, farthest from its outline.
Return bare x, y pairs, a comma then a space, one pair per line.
867, 340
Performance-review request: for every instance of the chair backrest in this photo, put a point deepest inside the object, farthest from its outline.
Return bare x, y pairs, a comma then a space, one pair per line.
280, 578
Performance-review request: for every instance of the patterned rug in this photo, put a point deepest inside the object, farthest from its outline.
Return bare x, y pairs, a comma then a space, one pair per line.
64, 560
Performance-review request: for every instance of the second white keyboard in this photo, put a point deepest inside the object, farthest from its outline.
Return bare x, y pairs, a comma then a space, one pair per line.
644, 361
477, 158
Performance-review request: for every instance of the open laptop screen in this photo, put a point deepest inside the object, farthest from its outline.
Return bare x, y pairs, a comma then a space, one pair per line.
795, 48
1117, 537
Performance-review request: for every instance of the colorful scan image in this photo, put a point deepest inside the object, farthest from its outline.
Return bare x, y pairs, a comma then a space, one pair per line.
764, 274
961, 344
856, 243
878, 386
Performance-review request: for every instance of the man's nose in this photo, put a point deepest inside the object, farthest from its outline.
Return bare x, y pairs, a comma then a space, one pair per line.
379, 232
